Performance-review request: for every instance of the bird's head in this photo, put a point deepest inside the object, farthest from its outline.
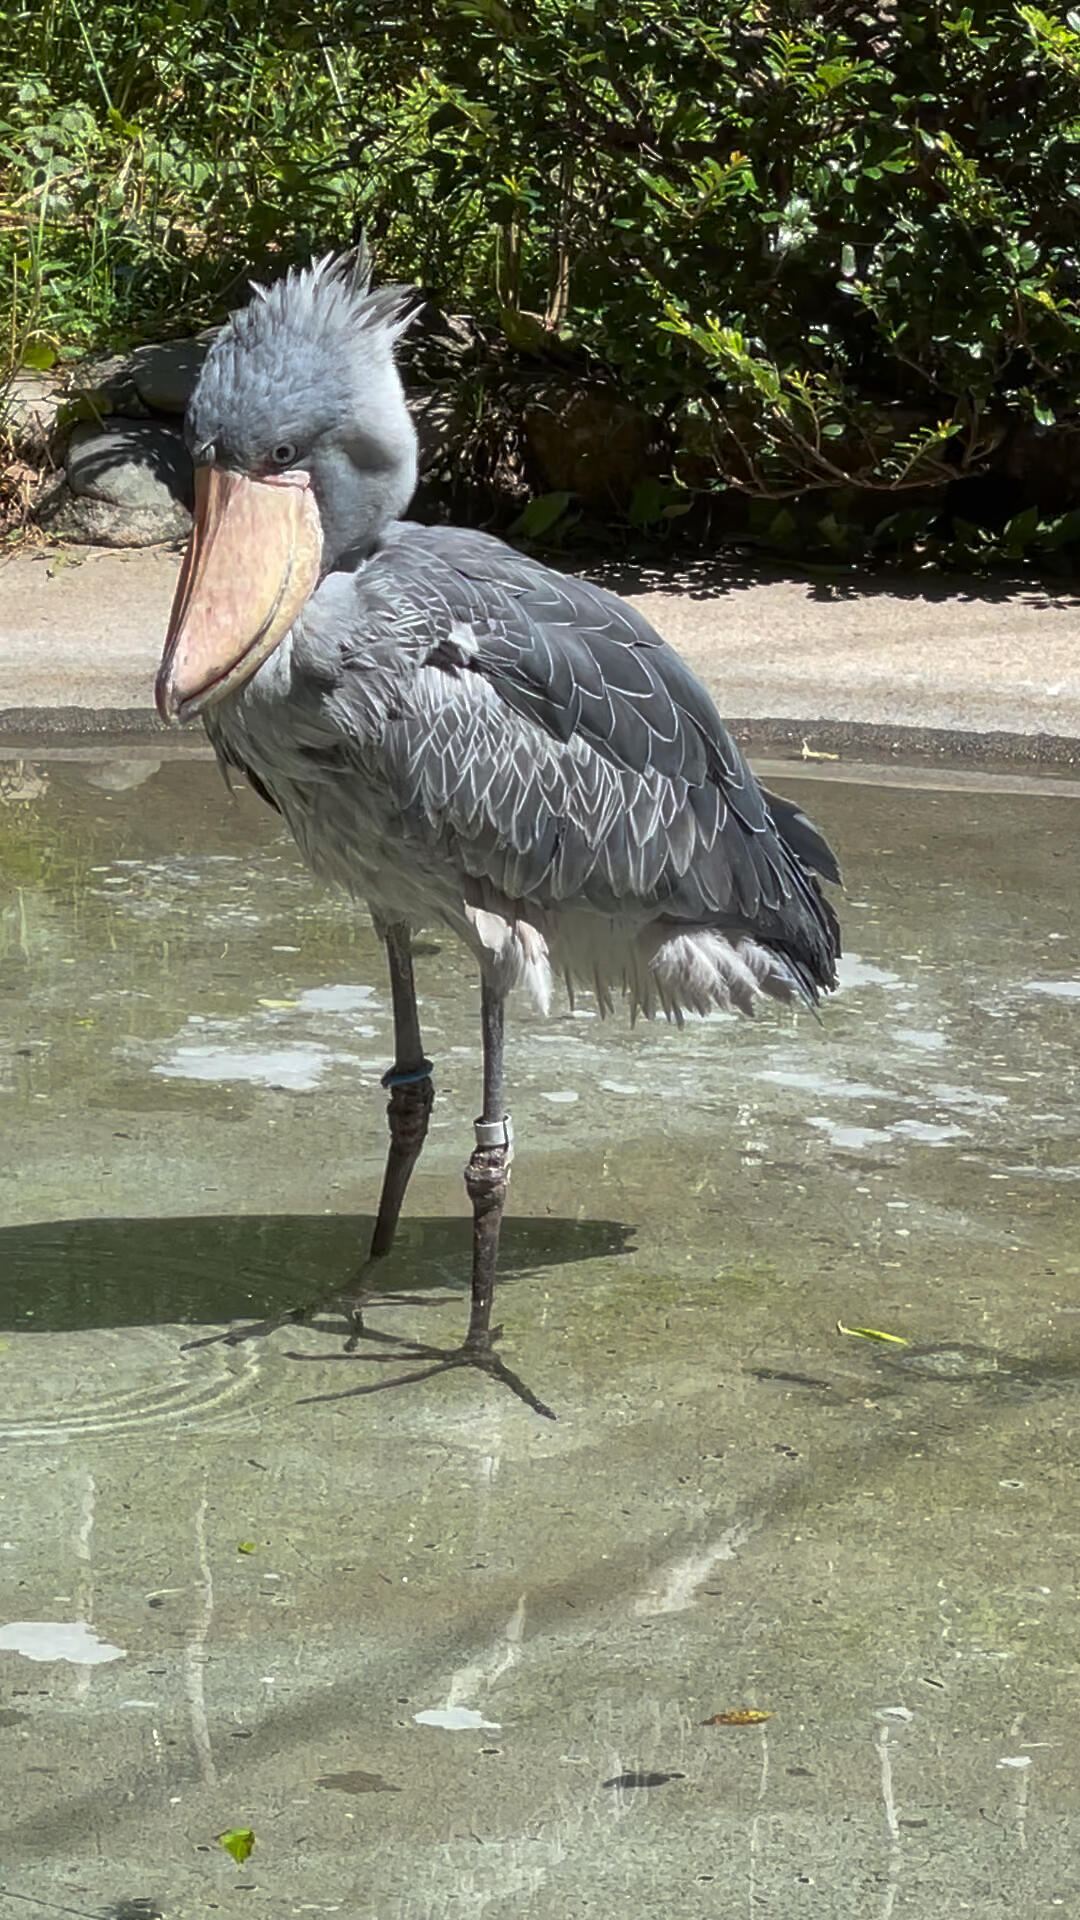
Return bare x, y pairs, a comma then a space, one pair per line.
304, 452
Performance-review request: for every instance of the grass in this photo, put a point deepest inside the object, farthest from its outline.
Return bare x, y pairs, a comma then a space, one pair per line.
150, 157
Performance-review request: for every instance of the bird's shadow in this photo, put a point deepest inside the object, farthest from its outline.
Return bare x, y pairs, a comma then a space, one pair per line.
63, 1276
266, 1271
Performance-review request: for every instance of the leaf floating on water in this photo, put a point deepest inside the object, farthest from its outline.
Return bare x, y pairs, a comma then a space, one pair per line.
247, 1546
872, 1333
238, 1841
738, 1717
642, 1779
356, 1782
811, 753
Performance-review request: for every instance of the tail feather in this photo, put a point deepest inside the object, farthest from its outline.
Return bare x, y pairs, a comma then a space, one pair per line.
703, 971
804, 839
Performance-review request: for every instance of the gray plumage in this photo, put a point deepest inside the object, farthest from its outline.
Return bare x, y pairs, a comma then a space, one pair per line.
459, 734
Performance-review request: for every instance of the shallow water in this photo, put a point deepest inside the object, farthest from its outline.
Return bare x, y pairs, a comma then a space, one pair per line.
517, 1630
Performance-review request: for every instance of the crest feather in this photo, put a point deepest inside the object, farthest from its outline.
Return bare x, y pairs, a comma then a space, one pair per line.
332, 296
392, 309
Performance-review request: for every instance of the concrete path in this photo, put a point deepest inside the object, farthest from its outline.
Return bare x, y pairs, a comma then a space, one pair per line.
911, 666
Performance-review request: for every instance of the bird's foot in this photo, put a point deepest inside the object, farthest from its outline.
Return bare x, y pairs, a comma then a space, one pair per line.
476, 1350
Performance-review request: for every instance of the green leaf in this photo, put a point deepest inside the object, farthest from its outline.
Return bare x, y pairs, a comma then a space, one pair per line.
246, 1546
1063, 532
847, 261
652, 501
38, 356
541, 514
872, 1333
1020, 531
238, 1841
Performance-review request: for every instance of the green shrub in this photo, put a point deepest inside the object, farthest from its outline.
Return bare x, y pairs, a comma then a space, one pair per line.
835, 248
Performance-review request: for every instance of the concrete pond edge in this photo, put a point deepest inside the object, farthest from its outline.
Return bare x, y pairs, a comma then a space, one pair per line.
812, 745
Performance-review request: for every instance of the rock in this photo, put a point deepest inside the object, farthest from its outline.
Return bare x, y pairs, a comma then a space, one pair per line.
101, 523
590, 442
165, 376
105, 385
154, 379
129, 484
129, 462
28, 413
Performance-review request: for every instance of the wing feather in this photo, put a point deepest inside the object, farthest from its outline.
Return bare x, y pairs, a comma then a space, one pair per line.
539, 731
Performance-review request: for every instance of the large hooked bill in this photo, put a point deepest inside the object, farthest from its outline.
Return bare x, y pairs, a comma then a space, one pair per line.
252, 562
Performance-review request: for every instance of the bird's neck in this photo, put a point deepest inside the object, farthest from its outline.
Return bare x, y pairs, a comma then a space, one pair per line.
362, 487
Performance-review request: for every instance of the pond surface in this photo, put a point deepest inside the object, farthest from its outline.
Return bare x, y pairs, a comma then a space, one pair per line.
444, 1658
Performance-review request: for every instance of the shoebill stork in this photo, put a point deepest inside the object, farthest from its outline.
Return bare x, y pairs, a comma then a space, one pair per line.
459, 735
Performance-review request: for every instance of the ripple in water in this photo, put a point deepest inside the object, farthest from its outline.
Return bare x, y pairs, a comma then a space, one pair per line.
212, 1394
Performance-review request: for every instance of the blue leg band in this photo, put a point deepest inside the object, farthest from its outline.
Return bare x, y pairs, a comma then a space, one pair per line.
406, 1076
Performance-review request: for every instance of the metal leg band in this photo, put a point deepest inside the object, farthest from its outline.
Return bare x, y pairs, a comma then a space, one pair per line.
494, 1133
406, 1076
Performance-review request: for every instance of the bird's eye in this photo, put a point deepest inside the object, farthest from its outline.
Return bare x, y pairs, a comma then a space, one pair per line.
284, 453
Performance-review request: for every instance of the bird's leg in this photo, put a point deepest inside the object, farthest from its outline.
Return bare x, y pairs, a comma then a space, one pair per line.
412, 1093
486, 1179
488, 1172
